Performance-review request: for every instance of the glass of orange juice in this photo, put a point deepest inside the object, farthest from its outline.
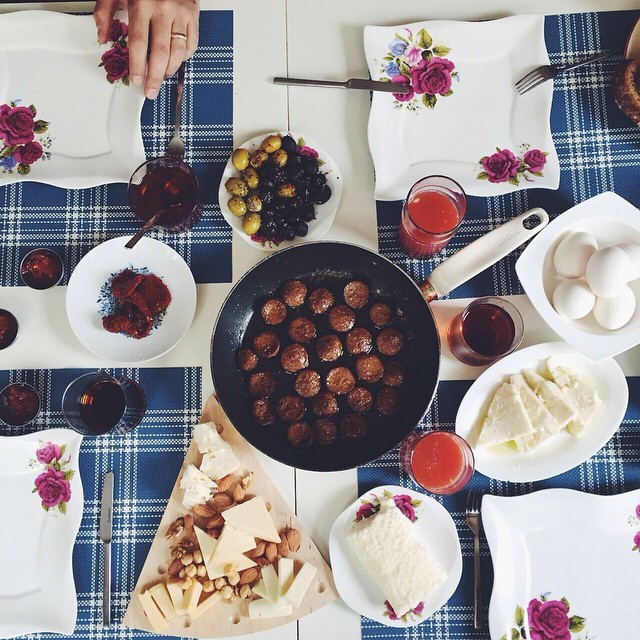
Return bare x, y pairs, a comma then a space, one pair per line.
441, 462
431, 214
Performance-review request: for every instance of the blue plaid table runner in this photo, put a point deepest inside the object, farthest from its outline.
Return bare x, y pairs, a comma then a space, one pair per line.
73, 221
145, 463
599, 150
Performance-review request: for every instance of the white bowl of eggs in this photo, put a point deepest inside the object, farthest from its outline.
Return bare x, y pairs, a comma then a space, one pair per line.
582, 274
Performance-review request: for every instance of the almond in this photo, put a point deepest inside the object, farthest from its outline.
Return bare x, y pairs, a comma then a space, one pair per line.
271, 551
216, 521
283, 546
204, 510
221, 500
262, 561
258, 551
214, 533
238, 493
293, 538
248, 575
188, 526
174, 568
225, 483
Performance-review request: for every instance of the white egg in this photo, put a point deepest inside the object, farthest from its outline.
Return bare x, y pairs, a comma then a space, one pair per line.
573, 299
633, 253
615, 312
608, 271
572, 254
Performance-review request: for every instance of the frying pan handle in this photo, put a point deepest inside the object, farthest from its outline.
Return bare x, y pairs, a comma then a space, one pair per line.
482, 253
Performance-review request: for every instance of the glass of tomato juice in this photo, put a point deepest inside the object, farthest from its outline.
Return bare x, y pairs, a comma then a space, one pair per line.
431, 214
441, 462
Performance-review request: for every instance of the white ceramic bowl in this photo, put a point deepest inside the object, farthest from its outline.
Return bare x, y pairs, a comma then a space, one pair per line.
610, 219
325, 213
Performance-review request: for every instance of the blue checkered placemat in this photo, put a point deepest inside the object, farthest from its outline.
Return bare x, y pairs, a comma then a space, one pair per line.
145, 462
73, 221
598, 148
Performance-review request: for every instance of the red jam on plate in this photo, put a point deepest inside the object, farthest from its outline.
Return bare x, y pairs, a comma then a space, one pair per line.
41, 269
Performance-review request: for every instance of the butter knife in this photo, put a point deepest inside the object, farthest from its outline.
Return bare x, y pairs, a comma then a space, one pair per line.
352, 83
106, 526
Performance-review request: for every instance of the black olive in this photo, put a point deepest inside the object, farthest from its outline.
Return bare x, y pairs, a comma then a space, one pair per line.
288, 144
270, 229
296, 174
266, 216
266, 170
287, 232
320, 196
310, 165
267, 183
301, 228
280, 175
307, 213
279, 205
266, 195
319, 180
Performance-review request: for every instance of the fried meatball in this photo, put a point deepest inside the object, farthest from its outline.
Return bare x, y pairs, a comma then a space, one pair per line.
381, 314
358, 341
356, 294
320, 300
301, 330
294, 358
341, 318
324, 404
340, 380
247, 360
293, 293
261, 384
353, 426
394, 374
290, 408
263, 412
307, 383
300, 434
387, 400
325, 431
273, 311
360, 399
329, 348
266, 344
369, 367
389, 341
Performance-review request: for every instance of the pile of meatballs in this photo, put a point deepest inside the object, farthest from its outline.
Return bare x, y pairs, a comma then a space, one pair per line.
323, 360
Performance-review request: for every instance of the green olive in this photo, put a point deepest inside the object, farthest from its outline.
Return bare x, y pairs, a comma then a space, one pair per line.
237, 206
286, 190
258, 158
271, 143
280, 157
236, 187
254, 203
250, 223
240, 159
250, 176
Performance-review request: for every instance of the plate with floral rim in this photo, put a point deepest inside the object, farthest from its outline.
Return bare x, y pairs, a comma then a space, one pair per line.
435, 531
463, 117
548, 582
85, 135
40, 487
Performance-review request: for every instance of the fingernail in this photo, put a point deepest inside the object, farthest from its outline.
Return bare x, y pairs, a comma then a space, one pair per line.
151, 93
136, 80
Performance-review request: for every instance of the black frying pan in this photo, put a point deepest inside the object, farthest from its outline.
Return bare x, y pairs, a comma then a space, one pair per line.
332, 265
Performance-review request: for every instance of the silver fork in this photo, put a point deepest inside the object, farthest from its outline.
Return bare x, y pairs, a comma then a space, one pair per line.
474, 521
176, 145
548, 71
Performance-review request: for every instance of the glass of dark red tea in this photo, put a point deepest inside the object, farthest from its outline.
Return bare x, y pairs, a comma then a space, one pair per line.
41, 269
487, 329
19, 404
168, 187
97, 403
8, 328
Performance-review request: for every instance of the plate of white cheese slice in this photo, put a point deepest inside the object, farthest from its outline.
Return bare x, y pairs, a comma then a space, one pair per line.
541, 411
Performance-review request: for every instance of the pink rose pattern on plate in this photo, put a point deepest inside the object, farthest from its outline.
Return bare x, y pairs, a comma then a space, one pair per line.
414, 60
546, 619
505, 166
634, 521
53, 485
116, 60
18, 129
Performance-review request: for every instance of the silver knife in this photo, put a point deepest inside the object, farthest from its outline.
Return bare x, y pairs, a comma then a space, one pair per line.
106, 526
352, 83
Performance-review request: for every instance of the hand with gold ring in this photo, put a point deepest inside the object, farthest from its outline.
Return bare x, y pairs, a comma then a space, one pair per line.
166, 30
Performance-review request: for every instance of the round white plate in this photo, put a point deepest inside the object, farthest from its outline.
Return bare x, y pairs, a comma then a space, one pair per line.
105, 261
435, 530
632, 46
562, 451
325, 213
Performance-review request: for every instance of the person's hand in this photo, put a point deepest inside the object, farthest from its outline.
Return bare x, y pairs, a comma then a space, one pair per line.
167, 29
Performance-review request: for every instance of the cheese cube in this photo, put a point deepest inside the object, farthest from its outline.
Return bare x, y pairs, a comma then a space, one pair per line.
285, 575
196, 485
207, 437
219, 463
153, 613
295, 593
266, 609
271, 584
161, 597
253, 518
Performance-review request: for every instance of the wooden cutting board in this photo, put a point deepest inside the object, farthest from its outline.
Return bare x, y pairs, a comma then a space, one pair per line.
229, 618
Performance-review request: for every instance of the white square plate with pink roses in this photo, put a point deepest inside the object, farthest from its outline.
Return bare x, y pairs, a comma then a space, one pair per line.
462, 116
41, 501
566, 565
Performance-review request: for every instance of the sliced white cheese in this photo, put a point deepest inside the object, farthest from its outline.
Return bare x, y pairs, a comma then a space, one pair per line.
196, 485
557, 403
263, 608
161, 597
208, 545
232, 543
285, 575
300, 585
191, 597
177, 596
205, 605
260, 590
207, 438
506, 419
219, 463
153, 613
253, 518
271, 584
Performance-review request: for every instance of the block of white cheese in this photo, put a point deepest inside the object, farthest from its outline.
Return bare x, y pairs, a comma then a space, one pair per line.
263, 608
176, 594
403, 569
300, 585
196, 485
205, 605
285, 574
558, 404
191, 597
271, 584
506, 419
253, 518
584, 398
218, 458
229, 551
160, 595
152, 611
207, 546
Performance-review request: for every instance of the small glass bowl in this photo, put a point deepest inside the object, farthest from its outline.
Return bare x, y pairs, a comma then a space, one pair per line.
41, 269
20, 404
8, 328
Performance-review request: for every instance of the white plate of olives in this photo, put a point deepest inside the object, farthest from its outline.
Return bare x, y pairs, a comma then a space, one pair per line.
280, 189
